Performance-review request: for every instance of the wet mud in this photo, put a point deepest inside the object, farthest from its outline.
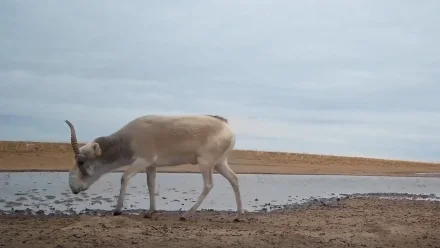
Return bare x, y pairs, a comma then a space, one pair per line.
358, 220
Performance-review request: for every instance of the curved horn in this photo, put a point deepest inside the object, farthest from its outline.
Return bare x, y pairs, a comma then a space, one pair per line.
73, 139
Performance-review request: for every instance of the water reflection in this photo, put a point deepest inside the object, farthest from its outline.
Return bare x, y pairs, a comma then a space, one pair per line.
49, 191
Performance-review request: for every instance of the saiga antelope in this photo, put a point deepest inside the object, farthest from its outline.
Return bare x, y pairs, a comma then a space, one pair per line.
152, 141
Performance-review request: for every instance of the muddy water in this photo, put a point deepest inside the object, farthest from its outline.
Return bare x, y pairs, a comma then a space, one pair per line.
48, 192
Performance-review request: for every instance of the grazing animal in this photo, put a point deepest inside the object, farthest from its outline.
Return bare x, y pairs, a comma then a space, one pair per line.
152, 141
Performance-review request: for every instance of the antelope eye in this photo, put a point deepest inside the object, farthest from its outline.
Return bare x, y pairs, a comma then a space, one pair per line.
80, 163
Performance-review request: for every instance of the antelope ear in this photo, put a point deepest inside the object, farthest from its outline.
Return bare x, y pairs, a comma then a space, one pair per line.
96, 149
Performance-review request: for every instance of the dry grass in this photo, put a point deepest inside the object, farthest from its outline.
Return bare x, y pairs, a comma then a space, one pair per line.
28, 155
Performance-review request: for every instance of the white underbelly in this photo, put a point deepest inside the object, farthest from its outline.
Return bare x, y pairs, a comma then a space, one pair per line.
175, 160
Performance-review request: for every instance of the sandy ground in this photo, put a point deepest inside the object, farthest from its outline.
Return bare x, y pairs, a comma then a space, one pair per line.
358, 222
32, 156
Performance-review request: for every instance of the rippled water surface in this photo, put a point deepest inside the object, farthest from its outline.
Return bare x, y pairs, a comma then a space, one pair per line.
49, 191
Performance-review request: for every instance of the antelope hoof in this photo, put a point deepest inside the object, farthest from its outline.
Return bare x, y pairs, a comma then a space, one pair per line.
116, 213
182, 218
149, 214
239, 217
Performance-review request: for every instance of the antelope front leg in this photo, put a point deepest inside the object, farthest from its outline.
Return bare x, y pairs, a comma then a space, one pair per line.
206, 170
137, 166
151, 182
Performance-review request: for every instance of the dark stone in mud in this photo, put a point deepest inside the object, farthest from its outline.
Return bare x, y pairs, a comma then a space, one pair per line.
85, 195
334, 201
10, 204
26, 211
21, 198
50, 197
106, 199
398, 195
207, 210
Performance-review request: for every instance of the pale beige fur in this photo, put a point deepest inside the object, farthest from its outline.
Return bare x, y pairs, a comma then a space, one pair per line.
154, 141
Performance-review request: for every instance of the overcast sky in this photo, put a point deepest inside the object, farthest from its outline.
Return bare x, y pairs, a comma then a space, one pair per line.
343, 77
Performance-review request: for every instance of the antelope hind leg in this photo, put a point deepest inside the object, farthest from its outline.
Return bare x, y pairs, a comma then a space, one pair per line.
151, 182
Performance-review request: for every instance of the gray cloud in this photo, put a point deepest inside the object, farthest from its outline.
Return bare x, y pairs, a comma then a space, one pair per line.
338, 77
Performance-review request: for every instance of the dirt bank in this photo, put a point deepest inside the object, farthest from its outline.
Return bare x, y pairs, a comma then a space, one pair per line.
32, 156
348, 223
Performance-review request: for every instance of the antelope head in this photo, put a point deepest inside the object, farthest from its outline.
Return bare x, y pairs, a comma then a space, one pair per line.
86, 160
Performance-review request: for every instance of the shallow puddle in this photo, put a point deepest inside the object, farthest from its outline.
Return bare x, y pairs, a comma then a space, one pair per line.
48, 192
